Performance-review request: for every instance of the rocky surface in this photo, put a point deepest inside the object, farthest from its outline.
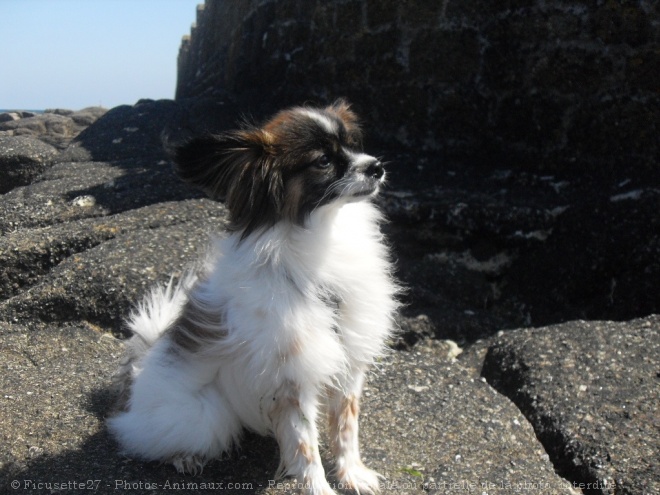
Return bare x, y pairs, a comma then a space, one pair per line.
590, 389
29, 142
22, 159
519, 248
56, 127
107, 218
418, 410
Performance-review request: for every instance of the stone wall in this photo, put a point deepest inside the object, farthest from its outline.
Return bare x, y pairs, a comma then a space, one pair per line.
540, 84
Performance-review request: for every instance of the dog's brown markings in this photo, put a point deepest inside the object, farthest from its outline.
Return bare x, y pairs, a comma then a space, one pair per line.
274, 124
285, 397
350, 121
343, 422
306, 451
293, 349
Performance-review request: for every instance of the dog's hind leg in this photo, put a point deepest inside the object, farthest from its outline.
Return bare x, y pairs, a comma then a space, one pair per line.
175, 413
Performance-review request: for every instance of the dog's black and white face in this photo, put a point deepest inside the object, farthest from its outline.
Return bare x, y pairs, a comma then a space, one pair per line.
299, 160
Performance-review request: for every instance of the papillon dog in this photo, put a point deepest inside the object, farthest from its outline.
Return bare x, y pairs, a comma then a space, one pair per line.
283, 318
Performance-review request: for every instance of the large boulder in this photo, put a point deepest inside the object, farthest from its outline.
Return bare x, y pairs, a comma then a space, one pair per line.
10, 116
126, 131
30, 142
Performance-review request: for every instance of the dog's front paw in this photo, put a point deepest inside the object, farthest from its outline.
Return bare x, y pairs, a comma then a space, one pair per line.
317, 486
188, 464
360, 478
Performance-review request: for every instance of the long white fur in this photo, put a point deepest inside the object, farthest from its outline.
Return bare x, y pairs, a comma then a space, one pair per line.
282, 353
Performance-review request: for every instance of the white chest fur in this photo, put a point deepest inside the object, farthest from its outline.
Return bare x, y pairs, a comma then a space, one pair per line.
298, 304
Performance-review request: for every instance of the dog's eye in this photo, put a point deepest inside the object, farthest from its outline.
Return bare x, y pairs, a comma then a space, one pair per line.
323, 161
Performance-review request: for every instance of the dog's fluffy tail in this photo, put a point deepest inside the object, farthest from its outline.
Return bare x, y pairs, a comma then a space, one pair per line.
148, 321
157, 311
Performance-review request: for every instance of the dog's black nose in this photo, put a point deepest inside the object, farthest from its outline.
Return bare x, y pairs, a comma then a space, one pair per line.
374, 170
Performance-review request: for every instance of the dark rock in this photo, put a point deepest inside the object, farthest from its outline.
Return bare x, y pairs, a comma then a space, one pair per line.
520, 247
126, 132
31, 253
466, 438
87, 116
72, 191
112, 261
22, 158
139, 131
602, 260
445, 57
50, 126
49, 379
16, 115
543, 86
38, 124
624, 23
590, 389
59, 111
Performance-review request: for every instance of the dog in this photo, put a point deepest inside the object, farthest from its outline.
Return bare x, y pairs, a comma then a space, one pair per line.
285, 316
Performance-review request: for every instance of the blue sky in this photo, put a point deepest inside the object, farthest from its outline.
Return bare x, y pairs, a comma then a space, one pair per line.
79, 53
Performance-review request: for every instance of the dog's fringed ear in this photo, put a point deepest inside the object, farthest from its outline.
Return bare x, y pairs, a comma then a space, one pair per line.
209, 162
236, 168
342, 109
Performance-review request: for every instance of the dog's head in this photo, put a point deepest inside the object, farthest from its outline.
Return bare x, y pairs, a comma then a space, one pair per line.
301, 159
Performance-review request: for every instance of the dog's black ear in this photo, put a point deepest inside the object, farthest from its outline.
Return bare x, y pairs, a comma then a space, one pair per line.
208, 162
238, 168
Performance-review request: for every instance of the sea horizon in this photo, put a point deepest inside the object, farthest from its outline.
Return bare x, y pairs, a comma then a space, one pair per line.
3, 110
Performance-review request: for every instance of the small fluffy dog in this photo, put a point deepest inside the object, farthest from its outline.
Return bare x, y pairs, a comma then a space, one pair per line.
286, 315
